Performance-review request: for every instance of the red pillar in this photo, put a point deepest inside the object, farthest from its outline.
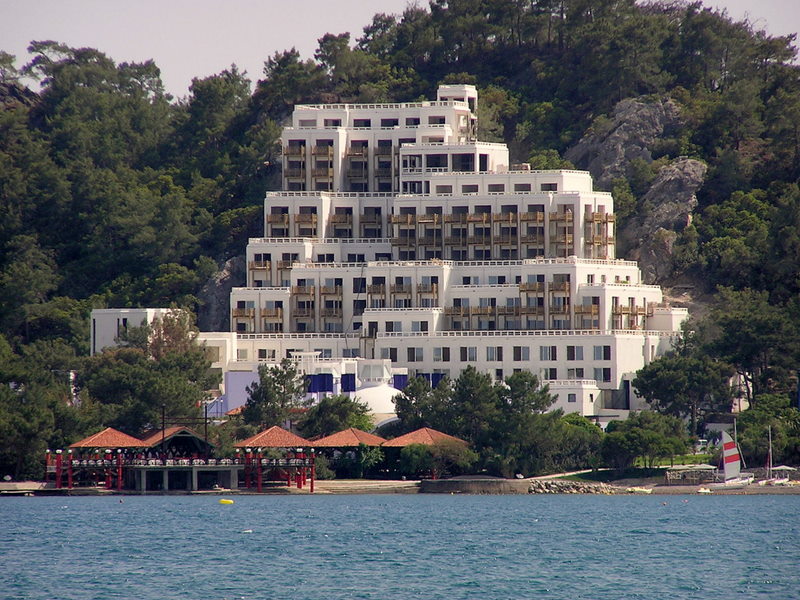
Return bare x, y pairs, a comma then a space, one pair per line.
313, 470
247, 468
59, 466
69, 469
119, 470
107, 458
47, 466
259, 472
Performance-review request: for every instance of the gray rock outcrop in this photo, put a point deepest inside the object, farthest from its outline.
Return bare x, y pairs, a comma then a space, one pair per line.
214, 312
608, 148
666, 210
563, 486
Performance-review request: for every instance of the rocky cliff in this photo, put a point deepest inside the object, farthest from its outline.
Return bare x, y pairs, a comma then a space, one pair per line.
214, 312
665, 209
610, 145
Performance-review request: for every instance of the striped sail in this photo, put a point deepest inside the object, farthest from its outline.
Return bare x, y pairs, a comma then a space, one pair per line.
730, 457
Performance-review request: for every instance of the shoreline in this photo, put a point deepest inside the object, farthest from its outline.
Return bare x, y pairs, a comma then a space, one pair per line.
487, 486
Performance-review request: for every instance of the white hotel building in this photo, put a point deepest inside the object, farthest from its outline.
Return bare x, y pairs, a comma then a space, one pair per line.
400, 236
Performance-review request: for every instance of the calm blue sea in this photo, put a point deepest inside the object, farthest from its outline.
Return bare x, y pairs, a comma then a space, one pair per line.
400, 546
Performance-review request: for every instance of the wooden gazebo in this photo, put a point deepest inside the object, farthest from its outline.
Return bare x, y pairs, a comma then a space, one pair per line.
297, 463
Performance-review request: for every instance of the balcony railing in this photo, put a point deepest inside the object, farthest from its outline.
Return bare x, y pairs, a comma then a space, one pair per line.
244, 312
536, 287
305, 218
376, 289
260, 264
280, 218
331, 290
294, 150
339, 218
400, 288
303, 290
272, 313
322, 150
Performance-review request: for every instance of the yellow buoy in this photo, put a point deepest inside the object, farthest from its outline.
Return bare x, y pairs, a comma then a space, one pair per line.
225, 501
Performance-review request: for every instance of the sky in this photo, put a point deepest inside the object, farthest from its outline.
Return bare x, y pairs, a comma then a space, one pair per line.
198, 38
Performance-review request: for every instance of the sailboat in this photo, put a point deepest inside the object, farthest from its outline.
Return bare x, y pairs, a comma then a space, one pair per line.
731, 460
775, 475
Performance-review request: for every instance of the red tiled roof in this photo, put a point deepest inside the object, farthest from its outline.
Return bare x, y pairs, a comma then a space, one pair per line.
109, 438
425, 436
274, 437
349, 438
154, 437
235, 411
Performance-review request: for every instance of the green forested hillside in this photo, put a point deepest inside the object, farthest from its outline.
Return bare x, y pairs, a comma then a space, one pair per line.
114, 194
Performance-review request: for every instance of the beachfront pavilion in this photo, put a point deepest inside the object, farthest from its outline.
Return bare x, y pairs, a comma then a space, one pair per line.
172, 459
296, 465
424, 436
346, 444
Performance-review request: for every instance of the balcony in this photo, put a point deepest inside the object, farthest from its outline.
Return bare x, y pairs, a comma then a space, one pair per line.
346, 219
455, 218
377, 289
481, 311
356, 173
261, 265
322, 172
430, 241
479, 218
403, 219
536, 239
559, 309
279, 218
427, 288
370, 218
303, 290
331, 312
532, 217
583, 309
510, 217
331, 290
383, 151
247, 313
556, 217
620, 310
357, 152
400, 288
536, 287
294, 150
531, 310
303, 313
506, 240
322, 150
480, 240
455, 311
306, 218
383, 172
285, 264
455, 241
559, 286
509, 311
435, 219
404, 241
295, 173
563, 238
272, 313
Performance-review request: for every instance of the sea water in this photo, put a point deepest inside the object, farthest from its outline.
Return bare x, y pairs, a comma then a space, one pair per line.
400, 546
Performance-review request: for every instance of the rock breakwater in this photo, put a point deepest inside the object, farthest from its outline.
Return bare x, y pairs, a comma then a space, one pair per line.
560, 486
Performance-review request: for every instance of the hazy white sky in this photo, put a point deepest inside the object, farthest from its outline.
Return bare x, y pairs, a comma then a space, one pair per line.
197, 38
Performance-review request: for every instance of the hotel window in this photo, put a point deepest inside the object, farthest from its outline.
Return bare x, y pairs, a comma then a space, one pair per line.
574, 352
547, 353
390, 353
522, 187
602, 353
494, 353
415, 354
522, 353
419, 326
469, 189
469, 353
550, 373
390, 122
602, 374
575, 373
572, 398
497, 187
394, 326
549, 187
412, 121
441, 354
241, 354
362, 123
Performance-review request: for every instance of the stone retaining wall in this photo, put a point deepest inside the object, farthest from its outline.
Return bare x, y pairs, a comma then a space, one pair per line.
560, 486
